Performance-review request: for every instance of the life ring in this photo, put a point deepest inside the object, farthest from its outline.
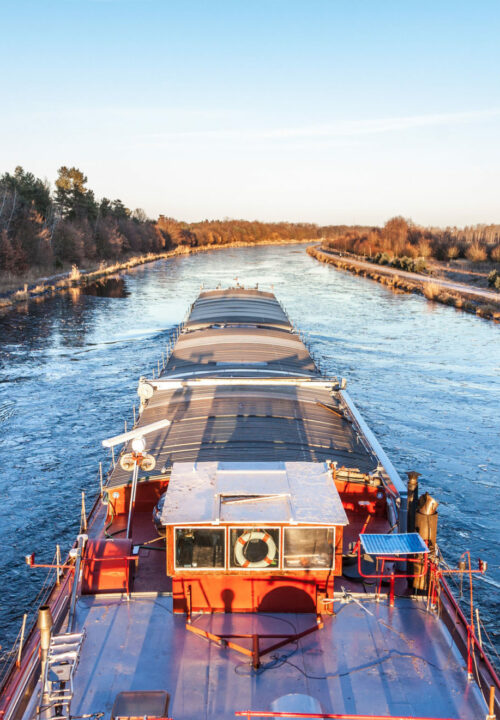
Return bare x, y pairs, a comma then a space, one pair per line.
249, 536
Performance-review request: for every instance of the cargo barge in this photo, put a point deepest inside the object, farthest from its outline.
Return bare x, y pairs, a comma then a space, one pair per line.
253, 552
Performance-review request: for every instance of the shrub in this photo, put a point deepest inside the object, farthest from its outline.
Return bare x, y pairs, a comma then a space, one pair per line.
495, 253
400, 262
431, 290
469, 306
494, 279
419, 265
424, 248
486, 311
409, 264
447, 298
476, 253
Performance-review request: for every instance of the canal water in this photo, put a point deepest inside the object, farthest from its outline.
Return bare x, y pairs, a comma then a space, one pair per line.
425, 376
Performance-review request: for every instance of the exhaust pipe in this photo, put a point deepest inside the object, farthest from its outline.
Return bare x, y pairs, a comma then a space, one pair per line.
426, 522
44, 623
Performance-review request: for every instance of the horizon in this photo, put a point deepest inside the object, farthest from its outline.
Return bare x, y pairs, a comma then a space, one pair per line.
320, 112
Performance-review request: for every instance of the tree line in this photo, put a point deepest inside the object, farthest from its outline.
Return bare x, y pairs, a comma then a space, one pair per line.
403, 243
47, 229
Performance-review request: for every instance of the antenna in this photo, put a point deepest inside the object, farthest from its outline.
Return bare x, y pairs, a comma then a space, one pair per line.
136, 433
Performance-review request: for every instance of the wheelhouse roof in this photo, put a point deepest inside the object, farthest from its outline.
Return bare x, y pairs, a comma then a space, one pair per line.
273, 492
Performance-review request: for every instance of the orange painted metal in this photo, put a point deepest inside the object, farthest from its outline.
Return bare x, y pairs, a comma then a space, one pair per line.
392, 576
250, 590
266, 592
107, 566
372, 498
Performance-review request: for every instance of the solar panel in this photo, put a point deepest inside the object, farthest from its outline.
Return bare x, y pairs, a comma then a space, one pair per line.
397, 544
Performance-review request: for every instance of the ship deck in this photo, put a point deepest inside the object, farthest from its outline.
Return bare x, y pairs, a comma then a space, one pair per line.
240, 386
400, 661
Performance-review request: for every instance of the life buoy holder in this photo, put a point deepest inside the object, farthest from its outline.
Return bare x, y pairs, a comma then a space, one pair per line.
249, 536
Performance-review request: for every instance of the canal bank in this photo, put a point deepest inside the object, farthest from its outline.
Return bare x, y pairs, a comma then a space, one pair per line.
483, 303
55, 284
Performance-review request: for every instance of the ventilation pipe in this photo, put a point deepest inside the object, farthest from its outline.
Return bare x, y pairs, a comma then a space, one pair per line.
44, 623
426, 521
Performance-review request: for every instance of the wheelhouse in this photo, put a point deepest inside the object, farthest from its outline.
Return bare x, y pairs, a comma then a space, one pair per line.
238, 532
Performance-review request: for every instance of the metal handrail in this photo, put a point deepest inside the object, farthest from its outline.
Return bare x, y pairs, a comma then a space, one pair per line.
475, 641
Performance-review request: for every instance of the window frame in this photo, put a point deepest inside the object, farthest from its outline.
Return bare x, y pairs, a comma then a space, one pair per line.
210, 568
247, 528
310, 527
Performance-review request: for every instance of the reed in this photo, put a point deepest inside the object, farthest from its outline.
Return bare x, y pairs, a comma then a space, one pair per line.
431, 290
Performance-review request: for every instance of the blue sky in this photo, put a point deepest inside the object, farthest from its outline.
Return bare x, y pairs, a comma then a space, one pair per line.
326, 111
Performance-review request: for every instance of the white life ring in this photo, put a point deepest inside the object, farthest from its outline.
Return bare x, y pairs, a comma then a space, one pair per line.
241, 542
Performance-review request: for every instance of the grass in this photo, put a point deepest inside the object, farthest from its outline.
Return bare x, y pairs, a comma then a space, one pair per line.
75, 274
431, 290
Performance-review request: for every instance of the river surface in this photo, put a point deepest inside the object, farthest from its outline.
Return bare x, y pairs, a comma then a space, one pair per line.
426, 377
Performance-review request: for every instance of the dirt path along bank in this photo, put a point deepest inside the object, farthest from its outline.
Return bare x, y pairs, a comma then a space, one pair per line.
485, 303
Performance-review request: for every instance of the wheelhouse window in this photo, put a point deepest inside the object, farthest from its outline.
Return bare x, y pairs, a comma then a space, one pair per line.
254, 548
308, 548
200, 548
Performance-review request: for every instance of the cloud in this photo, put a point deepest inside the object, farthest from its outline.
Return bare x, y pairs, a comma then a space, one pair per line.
331, 131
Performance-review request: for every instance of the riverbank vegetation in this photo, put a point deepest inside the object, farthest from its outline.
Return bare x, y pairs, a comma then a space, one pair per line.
45, 230
402, 243
432, 290
68, 234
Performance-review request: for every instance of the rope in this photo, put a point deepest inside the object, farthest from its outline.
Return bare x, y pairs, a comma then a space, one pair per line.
150, 542
365, 666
